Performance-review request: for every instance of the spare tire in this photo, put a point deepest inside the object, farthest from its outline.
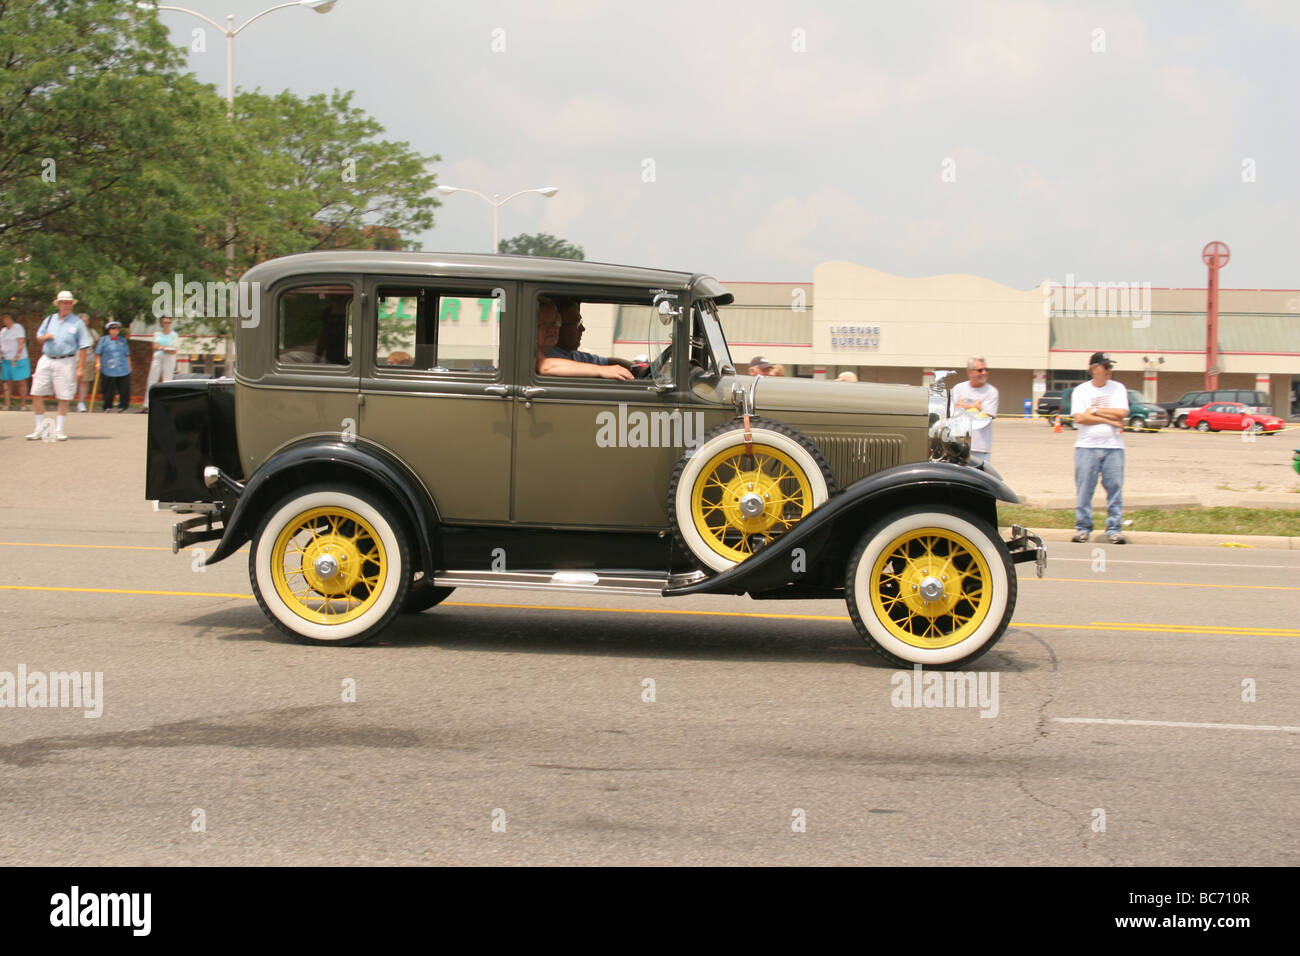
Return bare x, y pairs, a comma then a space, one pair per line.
726, 503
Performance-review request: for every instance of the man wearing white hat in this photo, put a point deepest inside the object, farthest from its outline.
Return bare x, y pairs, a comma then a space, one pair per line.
64, 342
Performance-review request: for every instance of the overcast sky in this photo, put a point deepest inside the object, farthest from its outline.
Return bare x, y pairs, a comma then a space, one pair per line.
783, 135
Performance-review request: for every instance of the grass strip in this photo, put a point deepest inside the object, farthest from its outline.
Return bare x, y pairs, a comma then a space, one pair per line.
1233, 521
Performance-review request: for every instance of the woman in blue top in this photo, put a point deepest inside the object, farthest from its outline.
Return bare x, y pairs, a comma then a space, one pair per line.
113, 362
163, 367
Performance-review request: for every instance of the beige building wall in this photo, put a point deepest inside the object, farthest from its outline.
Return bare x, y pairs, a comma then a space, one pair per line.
902, 328
935, 322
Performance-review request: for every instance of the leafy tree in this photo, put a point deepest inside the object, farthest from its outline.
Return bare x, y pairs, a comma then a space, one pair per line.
103, 147
542, 244
117, 171
314, 175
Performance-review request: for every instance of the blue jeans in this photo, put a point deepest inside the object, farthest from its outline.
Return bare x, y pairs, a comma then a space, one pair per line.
1088, 464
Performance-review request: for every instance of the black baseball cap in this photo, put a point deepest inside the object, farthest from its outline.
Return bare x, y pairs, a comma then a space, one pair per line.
1101, 358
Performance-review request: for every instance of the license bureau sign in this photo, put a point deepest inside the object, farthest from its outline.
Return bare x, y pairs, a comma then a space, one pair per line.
855, 338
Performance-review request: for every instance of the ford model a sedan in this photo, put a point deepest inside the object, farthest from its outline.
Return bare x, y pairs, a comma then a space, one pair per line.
404, 424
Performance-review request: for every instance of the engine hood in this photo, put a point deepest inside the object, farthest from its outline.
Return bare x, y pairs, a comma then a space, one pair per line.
779, 394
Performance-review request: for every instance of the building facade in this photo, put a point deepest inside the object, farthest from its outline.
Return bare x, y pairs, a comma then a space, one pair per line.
888, 328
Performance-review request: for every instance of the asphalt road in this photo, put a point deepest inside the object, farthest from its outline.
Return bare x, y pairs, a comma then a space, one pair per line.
528, 708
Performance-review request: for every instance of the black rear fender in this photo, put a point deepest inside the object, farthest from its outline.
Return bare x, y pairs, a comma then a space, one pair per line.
333, 461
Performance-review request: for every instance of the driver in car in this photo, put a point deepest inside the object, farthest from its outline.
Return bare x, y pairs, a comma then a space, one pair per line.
559, 333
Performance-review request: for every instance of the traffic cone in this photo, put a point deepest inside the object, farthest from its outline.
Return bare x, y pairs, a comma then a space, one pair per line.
1057, 426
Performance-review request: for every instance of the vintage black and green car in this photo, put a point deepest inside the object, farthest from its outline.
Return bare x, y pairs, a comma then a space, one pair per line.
397, 429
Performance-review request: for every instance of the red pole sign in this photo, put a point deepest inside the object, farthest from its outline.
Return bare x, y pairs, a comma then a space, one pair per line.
1215, 255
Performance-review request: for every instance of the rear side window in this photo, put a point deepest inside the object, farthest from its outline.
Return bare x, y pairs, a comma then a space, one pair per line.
437, 330
314, 325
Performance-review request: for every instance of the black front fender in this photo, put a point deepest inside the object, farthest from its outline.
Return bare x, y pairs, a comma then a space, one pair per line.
307, 461
822, 533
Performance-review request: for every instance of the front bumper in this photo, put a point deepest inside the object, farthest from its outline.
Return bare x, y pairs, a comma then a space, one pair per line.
1024, 546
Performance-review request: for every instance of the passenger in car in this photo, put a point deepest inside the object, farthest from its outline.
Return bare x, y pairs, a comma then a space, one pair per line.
548, 336
570, 340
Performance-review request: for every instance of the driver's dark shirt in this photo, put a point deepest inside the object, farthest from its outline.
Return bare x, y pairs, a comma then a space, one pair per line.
575, 356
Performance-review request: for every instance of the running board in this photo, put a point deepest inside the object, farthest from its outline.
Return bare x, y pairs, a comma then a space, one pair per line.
586, 581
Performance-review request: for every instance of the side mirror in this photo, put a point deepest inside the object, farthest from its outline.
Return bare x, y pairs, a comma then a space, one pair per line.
666, 304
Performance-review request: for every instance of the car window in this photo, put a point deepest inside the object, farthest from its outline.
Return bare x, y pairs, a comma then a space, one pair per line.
314, 325
1201, 398
439, 330
1135, 398
599, 328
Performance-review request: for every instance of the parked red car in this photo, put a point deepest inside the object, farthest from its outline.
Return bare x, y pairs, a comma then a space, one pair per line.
1231, 416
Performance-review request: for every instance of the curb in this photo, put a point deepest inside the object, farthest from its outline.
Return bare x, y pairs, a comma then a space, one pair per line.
1262, 542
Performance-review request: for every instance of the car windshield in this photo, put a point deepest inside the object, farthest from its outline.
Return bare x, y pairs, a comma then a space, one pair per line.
708, 332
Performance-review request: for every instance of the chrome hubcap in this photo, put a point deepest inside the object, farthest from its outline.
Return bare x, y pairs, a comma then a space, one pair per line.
751, 505
931, 589
326, 567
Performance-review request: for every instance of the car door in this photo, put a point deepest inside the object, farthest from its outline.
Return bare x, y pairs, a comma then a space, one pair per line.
594, 452
1222, 417
434, 388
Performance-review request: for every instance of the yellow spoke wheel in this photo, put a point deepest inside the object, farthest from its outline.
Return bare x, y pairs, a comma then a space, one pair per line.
741, 502
328, 565
727, 502
931, 587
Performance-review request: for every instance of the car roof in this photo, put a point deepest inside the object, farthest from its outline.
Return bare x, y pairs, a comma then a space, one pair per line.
483, 265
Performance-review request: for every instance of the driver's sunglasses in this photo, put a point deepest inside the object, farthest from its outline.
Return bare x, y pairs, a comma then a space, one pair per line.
980, 370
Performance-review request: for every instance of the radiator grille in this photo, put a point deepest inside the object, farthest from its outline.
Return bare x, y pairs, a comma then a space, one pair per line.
853, 457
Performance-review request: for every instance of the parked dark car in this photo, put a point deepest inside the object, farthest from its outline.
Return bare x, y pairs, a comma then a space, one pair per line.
1049, 403
1257, 402
1143, 414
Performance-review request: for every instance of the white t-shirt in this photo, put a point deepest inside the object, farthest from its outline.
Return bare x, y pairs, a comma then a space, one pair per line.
9, 339
1088, 397
981, 439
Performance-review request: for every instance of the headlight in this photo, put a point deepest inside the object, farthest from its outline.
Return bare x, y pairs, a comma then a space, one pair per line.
950, 439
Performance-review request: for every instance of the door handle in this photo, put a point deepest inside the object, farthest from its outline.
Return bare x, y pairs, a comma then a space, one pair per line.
502, 390
532, 391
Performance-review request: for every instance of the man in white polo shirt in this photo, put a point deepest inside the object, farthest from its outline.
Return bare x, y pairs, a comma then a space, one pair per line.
980, 399
1100, 408
64, 343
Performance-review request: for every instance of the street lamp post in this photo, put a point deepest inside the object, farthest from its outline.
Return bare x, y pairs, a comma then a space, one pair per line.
496, 202
231, 31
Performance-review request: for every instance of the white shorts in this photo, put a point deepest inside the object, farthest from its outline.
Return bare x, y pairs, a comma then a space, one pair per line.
57, 375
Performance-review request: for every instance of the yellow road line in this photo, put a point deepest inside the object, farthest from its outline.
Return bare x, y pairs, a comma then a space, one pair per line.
1228, 630
1168, 628
216, 594
1100, 579
107, 547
